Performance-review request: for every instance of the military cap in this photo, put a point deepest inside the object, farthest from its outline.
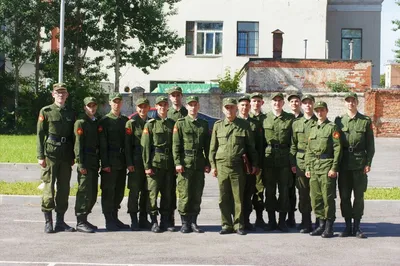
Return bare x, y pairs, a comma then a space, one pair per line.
244, 97
142, 101
320, 105
308, 96
88, 100
256, 95
229, 101
277, 94
114, 95
192, 98
59, 86
295, 94
351, 95
160, 99
175, 89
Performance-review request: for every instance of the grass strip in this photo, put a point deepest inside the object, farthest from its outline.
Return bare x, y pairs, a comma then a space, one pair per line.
18, 149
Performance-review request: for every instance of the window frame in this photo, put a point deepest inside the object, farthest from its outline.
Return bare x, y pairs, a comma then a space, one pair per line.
247, 45
195, 32
347, 38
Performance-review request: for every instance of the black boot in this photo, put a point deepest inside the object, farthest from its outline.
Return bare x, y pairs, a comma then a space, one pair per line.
320, 229
306, 220
291, 221
48, 226
154, 228
282, 222
193, 224
92, 226
316, 223
81, 224
168, 224
272, 225
110, 223
347, 230
185, 224
61, 226
259, 219
328, 233
172, 219
118, 222
247, 225
357, 231
143, 222
134, 221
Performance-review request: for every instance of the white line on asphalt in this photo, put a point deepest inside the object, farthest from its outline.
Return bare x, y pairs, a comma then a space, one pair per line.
94, 264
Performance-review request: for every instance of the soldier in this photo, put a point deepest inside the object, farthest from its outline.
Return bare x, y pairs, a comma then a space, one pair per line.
175, 112
357, 139
256, 102
113, 165
278, 132
137, 181
322, 162
158, 164
300, 132
231, 139
55, 153
190, 148
250, 187
87, 158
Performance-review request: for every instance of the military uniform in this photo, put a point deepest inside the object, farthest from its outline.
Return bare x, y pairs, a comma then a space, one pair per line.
87, 157
277, 172
55, 145
358, 146
229, 141
322, 155
137, 181
191, 143
112, 154
157, 155
300, 131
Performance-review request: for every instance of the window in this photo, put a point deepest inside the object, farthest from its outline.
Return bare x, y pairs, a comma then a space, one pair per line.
347, 36
204, 38
247, 38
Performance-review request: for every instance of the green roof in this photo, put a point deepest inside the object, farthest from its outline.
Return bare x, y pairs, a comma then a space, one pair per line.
186, 87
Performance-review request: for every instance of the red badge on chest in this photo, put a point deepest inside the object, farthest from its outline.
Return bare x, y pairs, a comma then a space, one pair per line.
128, 131
79, 131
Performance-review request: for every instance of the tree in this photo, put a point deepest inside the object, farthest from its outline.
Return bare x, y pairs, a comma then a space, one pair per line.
229, 83
135, 32
397, 43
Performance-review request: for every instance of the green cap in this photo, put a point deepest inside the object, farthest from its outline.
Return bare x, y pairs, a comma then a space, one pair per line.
114, 95
229, 101
351, 95
192, 98
244, 97
88, 100
160, 99
175, 89
142, 101
256, 95
308, 96
320, 105
277, 94
295, 94
59, 86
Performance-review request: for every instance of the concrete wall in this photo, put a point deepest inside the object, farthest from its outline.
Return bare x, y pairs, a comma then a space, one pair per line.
392, 75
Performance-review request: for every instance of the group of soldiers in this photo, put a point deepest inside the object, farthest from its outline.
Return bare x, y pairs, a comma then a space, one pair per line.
252, 155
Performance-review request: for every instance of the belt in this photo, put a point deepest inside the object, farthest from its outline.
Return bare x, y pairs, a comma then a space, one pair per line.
116, 149
91, 150
279, 146
323, 156
58, 138
351, 149
191, 152
162, 150
301, 151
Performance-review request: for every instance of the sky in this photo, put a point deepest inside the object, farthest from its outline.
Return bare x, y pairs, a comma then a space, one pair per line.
390, 11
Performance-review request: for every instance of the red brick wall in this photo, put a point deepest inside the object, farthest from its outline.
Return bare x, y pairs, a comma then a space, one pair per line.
383, 106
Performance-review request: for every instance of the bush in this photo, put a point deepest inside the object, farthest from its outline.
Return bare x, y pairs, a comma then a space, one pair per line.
339, 86
229, 84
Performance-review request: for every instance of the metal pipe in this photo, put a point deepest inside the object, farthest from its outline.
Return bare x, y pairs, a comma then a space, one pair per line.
305, 48
351, 49
61, 47
327, 49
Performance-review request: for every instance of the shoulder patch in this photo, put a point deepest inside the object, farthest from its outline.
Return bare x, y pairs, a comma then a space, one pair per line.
79, 131
99, 129
175, 129
146, 131
336, 135
128, 131
41, 118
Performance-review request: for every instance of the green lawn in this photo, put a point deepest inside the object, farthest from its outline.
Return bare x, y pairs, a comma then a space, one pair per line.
18, 149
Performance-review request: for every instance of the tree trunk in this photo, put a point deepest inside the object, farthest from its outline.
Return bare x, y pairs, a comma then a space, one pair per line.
117, 58
16, 96
37, 59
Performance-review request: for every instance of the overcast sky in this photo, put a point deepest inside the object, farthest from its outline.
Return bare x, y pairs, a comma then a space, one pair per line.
390, 11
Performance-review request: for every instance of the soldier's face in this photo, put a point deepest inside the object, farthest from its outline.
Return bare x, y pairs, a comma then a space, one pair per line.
277, 103
351, 104
256, 104
116, 105
142, 109
295, 104
244, 108
91, 109
60, 96
162, 108
308, 106
229, 111
176, 98
193, 108
321, 113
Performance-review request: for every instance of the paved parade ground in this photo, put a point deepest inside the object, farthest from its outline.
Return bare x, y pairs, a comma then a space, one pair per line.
22, 241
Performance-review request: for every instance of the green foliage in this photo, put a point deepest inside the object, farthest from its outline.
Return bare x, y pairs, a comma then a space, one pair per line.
338, 86
396, 23
382, 80
382, 194
229, 83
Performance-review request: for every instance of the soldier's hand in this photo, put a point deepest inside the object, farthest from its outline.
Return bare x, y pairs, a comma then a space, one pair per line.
254, 170
106, 169
332, 174
294, 169
42, 163
207, 169
179, 169
149, 172
367, 169
214, 172
308, 174
83, 171
131, 168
